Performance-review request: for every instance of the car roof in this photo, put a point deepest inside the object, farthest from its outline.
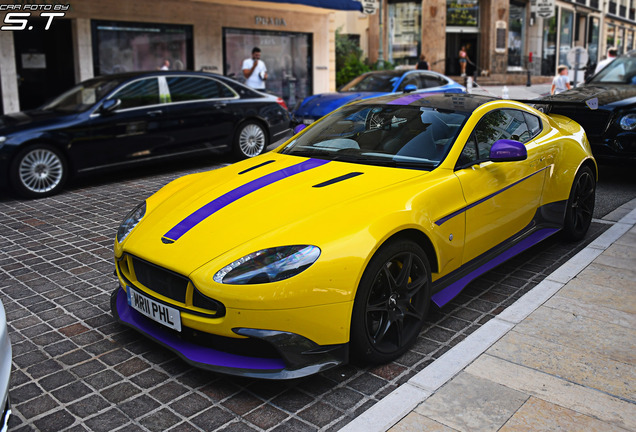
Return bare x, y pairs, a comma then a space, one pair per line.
123, 76
459, 102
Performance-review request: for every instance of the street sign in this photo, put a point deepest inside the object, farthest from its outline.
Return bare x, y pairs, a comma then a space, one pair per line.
543, 8
369, 6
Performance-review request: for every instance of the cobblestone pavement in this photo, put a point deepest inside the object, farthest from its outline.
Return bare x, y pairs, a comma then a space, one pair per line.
75, 369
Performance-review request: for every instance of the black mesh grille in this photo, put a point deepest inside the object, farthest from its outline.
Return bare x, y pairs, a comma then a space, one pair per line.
593, 121
160, 280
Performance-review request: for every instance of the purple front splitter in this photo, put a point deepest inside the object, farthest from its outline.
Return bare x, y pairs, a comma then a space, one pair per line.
192, 352
451, 291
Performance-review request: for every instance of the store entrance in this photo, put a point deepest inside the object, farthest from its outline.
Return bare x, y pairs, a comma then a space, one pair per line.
454, 42
44, 62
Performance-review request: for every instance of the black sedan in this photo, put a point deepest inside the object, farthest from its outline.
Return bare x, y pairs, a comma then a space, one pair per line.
611, 128
125, 119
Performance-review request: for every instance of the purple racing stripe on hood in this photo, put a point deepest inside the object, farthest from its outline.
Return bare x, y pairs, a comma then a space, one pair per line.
212, 207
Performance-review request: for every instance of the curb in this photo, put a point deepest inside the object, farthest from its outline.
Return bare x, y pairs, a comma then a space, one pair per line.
399, 403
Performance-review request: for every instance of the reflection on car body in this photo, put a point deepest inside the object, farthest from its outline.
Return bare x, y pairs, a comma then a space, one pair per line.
125, 119
365, 218
611, 128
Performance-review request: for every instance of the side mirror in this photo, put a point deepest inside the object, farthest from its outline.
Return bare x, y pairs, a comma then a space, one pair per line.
110, 105
410, 88
299, 127
505, 150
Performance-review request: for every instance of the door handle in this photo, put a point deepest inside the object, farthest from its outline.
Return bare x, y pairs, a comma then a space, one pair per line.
155, 113
220, 105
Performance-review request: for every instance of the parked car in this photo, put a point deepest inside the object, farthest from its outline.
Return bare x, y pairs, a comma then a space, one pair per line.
611, 128
364, 218
372, 84
5, 371
124, 119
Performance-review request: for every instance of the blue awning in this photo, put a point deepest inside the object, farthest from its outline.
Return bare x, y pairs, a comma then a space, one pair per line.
327, 4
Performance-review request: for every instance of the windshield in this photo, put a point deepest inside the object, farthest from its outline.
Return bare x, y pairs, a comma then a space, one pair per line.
82, 96
620, 71
389, 135
375, 82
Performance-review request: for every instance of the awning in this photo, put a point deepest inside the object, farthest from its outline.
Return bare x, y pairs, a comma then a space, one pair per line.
326, 4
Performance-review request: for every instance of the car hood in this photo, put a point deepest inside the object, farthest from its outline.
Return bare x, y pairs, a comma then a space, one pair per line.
608, 95
239, 205
322, 104
32, 119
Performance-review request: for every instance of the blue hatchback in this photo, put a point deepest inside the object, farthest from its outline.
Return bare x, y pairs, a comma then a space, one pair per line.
372, 84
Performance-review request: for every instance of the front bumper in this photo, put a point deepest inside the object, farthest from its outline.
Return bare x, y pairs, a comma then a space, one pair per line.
618, 148
284, 355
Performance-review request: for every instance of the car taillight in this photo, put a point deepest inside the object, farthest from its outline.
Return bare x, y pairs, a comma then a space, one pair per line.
282, 103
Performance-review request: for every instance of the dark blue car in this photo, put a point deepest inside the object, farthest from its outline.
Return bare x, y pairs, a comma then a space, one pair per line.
370, 85
125, 119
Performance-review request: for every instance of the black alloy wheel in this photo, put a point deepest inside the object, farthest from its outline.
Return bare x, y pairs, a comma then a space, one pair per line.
580, 207
391, 303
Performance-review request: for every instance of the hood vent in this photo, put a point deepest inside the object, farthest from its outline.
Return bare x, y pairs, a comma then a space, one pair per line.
338, 179
256, 166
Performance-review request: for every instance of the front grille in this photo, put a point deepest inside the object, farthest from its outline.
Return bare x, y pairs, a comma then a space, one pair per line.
594, 122
160, 280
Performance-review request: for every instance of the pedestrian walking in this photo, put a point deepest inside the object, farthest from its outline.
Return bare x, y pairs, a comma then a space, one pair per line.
423, 64
561, 82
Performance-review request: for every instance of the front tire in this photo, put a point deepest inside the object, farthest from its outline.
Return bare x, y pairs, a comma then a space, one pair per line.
391, 304
38, 171
580, 206
250, 140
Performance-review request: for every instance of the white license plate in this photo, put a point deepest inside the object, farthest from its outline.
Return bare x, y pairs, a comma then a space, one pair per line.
163, 314
308, 121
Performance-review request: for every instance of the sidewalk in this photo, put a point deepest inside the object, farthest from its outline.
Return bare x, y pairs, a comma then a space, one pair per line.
563, 357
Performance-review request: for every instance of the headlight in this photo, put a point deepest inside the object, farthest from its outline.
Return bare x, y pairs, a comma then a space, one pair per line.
2, 140
268, 265
130, 221
628, 122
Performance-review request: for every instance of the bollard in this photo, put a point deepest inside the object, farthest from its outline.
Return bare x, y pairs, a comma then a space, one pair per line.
529, 82
504, 93
469, 84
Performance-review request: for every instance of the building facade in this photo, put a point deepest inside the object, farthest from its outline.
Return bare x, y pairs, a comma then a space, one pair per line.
97, 37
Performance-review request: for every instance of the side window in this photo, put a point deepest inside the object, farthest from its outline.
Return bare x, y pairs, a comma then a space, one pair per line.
138, 94
433, 81
183, 89
469, 153
410, 79
534, 124
517, 127
500, 124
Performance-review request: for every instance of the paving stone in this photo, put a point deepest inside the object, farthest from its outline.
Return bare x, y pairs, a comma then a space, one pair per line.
55, 422
415, 422
266, 417
88, 406
470, 403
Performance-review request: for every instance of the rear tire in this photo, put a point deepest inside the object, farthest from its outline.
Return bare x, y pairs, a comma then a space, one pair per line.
580, 206
38, 171
250, 140
391, 304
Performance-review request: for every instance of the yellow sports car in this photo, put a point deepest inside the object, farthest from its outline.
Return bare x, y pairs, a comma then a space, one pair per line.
333, 246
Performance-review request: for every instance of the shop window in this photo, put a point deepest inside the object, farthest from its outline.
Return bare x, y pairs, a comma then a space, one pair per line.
516, 34
567, 30
287, 56
592, 41
610, 37
125, 47
548, 59
629, 42
462, 13
405, 32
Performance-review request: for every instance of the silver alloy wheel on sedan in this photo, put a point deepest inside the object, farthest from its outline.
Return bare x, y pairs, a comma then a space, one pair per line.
41, 170
251, 140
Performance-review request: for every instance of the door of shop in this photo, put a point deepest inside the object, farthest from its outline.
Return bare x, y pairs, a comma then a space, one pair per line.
454, 42
44, 62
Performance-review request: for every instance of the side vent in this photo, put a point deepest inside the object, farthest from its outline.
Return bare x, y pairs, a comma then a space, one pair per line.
256, 166
338, 179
